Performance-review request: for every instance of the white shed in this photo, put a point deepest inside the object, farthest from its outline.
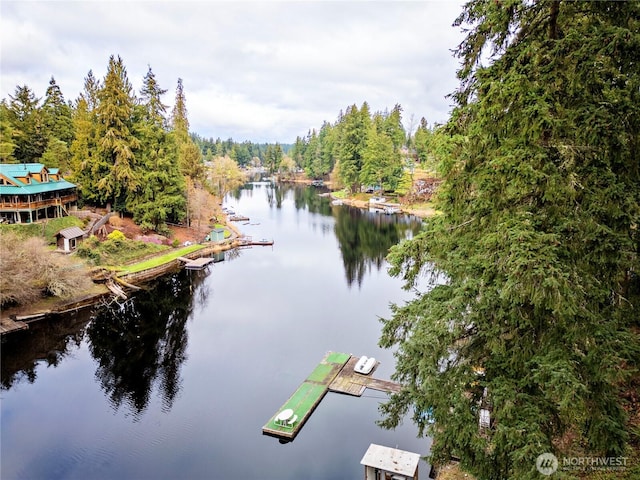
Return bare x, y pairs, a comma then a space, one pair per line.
385, 463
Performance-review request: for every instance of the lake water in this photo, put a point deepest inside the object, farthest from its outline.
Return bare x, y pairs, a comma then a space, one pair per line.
177, 382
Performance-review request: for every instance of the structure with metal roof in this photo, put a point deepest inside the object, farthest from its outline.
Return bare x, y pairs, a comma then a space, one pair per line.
31, 191
67, 239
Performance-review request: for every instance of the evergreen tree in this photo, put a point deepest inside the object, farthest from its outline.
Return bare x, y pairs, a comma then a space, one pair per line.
353, 136
115, 165
84, 147
179, 120
297, 152
91, 88
151, 98
327, 138
382, 161
7, 131
422, 141
312, 156
378, 149
394, 129
190, 156
533, 306
161, 196
273, 157
25, 118
58, 122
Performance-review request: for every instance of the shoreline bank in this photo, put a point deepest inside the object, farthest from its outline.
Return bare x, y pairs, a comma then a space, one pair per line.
18, 318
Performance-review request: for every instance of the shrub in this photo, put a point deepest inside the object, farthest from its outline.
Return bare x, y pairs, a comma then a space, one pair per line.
117, 237
30, 270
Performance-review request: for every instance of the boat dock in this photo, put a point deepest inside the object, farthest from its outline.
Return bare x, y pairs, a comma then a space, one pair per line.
9, 325
351, 383
196, 264
334, 373
248, 241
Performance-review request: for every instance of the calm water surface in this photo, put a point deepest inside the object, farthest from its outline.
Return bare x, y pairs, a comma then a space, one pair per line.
178, 382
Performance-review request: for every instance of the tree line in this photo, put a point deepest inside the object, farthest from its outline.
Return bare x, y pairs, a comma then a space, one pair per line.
245, 154
124, 150
367, 150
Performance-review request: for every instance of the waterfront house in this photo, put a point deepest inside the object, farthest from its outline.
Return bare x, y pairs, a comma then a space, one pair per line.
31, 191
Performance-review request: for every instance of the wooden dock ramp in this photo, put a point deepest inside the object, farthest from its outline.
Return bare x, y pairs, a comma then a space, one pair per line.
351, 383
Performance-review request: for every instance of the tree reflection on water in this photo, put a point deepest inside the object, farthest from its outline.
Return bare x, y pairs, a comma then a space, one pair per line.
45, 342
142, 342
365, 238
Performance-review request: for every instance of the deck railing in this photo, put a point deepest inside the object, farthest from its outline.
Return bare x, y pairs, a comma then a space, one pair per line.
34, 205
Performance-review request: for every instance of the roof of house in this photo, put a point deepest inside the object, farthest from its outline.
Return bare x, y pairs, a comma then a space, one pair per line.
391, 460
71, 232
13, 171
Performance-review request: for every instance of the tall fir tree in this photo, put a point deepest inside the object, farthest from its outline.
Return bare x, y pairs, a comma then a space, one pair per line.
353, 137
84, 147
58, 122
26, 120
190, 156
532, 313
161, 196
115, 170
7, 144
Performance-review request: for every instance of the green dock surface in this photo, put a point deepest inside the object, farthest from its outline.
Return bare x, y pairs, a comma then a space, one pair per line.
308, 395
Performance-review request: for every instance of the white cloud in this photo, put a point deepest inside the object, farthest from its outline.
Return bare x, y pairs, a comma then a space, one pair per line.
262, 71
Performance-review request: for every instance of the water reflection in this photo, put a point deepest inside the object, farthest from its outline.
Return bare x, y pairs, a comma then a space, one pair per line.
366, 237
46, 342
142, 341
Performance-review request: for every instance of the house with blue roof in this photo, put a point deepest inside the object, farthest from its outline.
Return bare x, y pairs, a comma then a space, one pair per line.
30, 192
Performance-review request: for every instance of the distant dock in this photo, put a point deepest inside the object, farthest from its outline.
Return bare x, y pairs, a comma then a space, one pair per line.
334, 373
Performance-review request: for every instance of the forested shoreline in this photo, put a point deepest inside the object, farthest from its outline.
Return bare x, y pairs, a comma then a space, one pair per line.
524, 342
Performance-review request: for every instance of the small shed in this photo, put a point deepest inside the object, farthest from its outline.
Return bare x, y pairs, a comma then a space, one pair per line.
68, 238
385, 463
217, 235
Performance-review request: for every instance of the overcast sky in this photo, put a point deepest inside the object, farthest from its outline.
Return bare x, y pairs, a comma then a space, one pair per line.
262, 71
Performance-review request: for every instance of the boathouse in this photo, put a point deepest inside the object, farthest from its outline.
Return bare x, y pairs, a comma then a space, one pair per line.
389, 464
30, 192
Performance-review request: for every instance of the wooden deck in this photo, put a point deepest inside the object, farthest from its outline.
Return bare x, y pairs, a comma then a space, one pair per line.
9, 325
199, 263
351, 383
334, 373
196, 263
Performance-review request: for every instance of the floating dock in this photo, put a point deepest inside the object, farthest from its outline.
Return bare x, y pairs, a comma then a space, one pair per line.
248, 241
308, 395
196, 264
334, 373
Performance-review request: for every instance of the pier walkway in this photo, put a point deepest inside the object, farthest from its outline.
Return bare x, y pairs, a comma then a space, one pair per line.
334, 373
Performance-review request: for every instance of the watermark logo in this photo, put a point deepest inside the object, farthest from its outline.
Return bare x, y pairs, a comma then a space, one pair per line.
547, 463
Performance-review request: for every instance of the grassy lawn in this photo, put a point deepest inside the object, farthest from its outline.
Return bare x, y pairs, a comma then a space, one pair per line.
46, 229
159, 260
